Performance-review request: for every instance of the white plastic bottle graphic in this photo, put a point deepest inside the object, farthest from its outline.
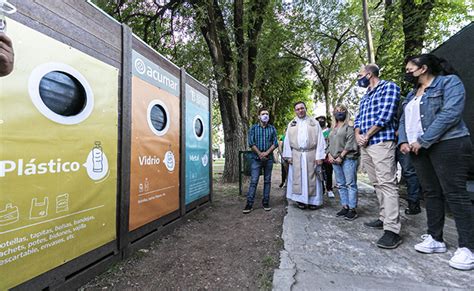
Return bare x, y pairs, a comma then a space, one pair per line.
97, 158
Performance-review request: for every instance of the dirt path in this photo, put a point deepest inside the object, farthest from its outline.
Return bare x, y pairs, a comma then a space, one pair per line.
217, 248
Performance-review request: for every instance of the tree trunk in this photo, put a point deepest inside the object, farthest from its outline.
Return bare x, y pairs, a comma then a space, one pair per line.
415, 19
368, 33
381, 56
233, 87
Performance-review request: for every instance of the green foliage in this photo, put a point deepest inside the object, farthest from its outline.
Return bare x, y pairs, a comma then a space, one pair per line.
281, 80
446, 18
329, 36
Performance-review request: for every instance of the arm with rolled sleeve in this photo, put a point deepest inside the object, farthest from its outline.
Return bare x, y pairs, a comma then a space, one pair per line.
450, 113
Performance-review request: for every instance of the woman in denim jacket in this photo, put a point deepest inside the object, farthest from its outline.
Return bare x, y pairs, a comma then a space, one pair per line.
433, 133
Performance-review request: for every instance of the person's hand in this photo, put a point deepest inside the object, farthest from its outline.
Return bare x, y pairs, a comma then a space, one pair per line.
289, 161
6, 55
318, 162
404, 148
338, 160
330, 159
261, 155
361, 140
415, 147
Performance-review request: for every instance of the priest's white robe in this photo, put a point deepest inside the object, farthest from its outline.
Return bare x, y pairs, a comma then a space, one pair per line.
304, 197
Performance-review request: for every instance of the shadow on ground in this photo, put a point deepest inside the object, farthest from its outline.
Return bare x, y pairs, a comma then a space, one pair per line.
217, 248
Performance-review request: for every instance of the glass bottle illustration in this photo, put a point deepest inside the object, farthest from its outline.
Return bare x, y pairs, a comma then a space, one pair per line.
147, 185
97, 158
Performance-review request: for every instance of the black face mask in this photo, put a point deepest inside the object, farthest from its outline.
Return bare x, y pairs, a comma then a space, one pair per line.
410, 78
322, 123
340, 116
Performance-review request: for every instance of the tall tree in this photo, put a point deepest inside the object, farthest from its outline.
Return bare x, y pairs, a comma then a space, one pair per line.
368, 32
410, 27
416, 15
233, 85
324, 37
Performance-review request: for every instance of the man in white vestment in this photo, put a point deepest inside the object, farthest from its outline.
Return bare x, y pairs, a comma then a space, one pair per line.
304, 149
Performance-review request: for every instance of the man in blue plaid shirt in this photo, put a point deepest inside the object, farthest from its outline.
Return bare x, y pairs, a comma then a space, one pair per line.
375, 127
263, 141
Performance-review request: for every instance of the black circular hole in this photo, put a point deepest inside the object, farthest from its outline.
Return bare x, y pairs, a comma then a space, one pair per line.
62, 93
158, 117
198, 127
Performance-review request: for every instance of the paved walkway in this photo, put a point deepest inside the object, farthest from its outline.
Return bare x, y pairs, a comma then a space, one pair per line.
324, 252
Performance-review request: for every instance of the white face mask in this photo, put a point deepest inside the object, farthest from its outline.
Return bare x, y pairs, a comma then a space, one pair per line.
264, 118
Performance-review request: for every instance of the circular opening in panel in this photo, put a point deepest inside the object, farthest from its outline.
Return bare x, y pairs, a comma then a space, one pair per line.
158, 117
62, 93
198, 127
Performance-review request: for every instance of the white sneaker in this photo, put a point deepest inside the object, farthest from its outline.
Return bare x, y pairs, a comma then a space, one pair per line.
463, 259
331, 194
429, 245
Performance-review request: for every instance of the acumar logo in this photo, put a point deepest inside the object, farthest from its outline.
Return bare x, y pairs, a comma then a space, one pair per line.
143, 69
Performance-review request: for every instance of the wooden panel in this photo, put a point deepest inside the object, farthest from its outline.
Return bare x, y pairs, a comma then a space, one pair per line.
100, 38
99, 258
182, 149
197, 85
155, 57
126, 121
198, 204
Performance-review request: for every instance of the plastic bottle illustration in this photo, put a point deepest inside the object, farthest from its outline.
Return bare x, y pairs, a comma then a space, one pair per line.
97, 158
5, 8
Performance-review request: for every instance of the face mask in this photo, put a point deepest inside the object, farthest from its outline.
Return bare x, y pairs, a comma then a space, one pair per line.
322, 123
363, 82
410, 78
264, 118
340, 116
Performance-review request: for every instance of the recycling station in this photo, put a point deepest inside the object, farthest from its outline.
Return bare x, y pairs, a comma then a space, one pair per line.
105, 145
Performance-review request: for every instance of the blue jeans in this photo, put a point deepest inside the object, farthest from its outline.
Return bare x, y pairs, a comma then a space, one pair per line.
346, 178
409, 174
256, 168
